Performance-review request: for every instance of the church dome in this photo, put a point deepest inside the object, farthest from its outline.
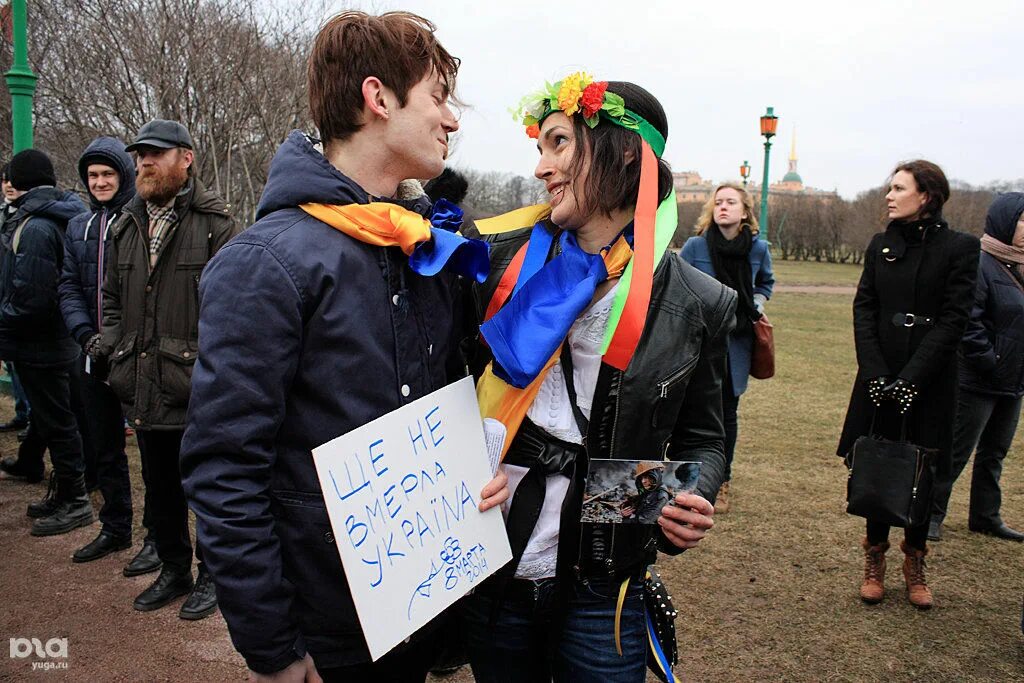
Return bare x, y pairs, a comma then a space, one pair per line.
792, 177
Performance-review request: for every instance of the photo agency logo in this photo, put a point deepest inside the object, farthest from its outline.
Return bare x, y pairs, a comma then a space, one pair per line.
47, 656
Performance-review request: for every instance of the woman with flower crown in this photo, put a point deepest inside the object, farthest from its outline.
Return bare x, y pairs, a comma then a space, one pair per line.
595, 342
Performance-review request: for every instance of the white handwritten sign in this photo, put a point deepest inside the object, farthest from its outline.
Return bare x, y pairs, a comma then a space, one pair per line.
402, 494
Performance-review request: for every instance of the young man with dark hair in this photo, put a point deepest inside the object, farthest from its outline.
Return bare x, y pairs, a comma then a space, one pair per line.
308, 331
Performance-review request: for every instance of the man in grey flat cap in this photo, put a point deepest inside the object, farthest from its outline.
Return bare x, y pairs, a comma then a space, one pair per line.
149, 337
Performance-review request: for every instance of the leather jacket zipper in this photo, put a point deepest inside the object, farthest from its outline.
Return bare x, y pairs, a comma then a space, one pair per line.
666, 384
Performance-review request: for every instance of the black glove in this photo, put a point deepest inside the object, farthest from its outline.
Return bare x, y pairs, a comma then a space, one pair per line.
903, 392
876, 390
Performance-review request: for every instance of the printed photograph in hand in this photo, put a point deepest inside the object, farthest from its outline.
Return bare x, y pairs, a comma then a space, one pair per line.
634, 491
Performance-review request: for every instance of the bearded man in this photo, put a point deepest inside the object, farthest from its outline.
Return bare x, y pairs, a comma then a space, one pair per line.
150, 337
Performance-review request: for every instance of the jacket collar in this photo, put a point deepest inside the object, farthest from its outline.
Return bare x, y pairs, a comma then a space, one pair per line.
894, 239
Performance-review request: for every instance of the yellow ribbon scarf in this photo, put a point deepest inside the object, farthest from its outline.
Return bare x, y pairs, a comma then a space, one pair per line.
380, 224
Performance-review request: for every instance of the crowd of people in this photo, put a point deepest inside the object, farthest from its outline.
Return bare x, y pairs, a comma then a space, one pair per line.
100, 321
233, 353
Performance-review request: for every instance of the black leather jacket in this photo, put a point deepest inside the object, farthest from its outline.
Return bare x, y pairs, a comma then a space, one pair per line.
667, 404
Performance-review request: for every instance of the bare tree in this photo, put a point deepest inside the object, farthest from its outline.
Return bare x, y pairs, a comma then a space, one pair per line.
232, 71
492, 193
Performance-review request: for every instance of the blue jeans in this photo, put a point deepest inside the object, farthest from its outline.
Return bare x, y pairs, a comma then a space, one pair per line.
539, 636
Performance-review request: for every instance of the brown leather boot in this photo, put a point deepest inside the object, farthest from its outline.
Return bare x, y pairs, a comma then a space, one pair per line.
873, 589
722, 499
913, 571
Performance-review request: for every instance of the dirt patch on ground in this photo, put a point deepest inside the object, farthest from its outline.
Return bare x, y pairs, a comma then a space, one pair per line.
44, 595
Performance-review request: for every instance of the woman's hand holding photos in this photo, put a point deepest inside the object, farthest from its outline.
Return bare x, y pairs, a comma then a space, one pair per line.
686, 520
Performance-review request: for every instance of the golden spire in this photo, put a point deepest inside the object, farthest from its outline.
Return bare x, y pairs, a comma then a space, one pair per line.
792, 147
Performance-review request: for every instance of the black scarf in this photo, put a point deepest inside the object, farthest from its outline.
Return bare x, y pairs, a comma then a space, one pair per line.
731, 261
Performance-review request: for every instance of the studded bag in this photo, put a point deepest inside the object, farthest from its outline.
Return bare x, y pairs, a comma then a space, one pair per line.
889, 481
662, 652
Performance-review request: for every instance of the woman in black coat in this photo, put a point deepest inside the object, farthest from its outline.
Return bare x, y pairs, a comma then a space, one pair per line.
911, 308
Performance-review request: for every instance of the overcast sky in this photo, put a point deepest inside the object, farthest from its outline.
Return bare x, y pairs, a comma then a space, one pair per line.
866, 83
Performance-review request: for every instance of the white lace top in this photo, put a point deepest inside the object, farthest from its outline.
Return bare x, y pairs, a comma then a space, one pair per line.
552, 413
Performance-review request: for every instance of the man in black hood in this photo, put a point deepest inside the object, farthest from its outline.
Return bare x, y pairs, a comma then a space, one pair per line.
108, 173
991, 372
34, 337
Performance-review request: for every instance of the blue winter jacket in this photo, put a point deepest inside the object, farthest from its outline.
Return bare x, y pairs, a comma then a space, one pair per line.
79, 282
696, 253
32, 330
304, 335
992, 350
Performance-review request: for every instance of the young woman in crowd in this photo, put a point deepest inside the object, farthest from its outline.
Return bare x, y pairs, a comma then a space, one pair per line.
909, 315
595, 343
727, 248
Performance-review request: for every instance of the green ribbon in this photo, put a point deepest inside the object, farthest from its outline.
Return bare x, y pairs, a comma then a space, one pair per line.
630, 121
665, 222
634, 122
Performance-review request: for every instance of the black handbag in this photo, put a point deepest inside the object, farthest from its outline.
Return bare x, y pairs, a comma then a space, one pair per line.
889, 481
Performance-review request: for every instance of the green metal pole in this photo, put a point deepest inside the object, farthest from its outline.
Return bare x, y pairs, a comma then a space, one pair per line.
20, 80
22, 84
763, 219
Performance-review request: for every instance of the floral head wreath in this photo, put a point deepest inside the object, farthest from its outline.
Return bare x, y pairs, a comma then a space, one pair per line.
580, 93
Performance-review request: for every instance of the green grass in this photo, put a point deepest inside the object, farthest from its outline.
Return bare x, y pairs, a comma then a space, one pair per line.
814, 273
772, 594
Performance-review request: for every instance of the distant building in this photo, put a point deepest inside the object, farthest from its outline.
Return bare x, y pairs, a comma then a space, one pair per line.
792, 180
690, 187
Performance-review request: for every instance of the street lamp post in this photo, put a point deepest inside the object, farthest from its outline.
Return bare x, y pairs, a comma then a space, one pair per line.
745, 172
20, 80
22, 84
769, 122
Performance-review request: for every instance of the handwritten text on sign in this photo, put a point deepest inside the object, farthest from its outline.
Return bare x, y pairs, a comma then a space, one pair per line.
402, 495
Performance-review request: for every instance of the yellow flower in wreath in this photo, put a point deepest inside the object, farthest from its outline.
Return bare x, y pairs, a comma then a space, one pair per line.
571, 90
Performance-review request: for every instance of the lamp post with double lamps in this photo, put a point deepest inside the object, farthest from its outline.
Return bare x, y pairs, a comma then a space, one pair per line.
769, 122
